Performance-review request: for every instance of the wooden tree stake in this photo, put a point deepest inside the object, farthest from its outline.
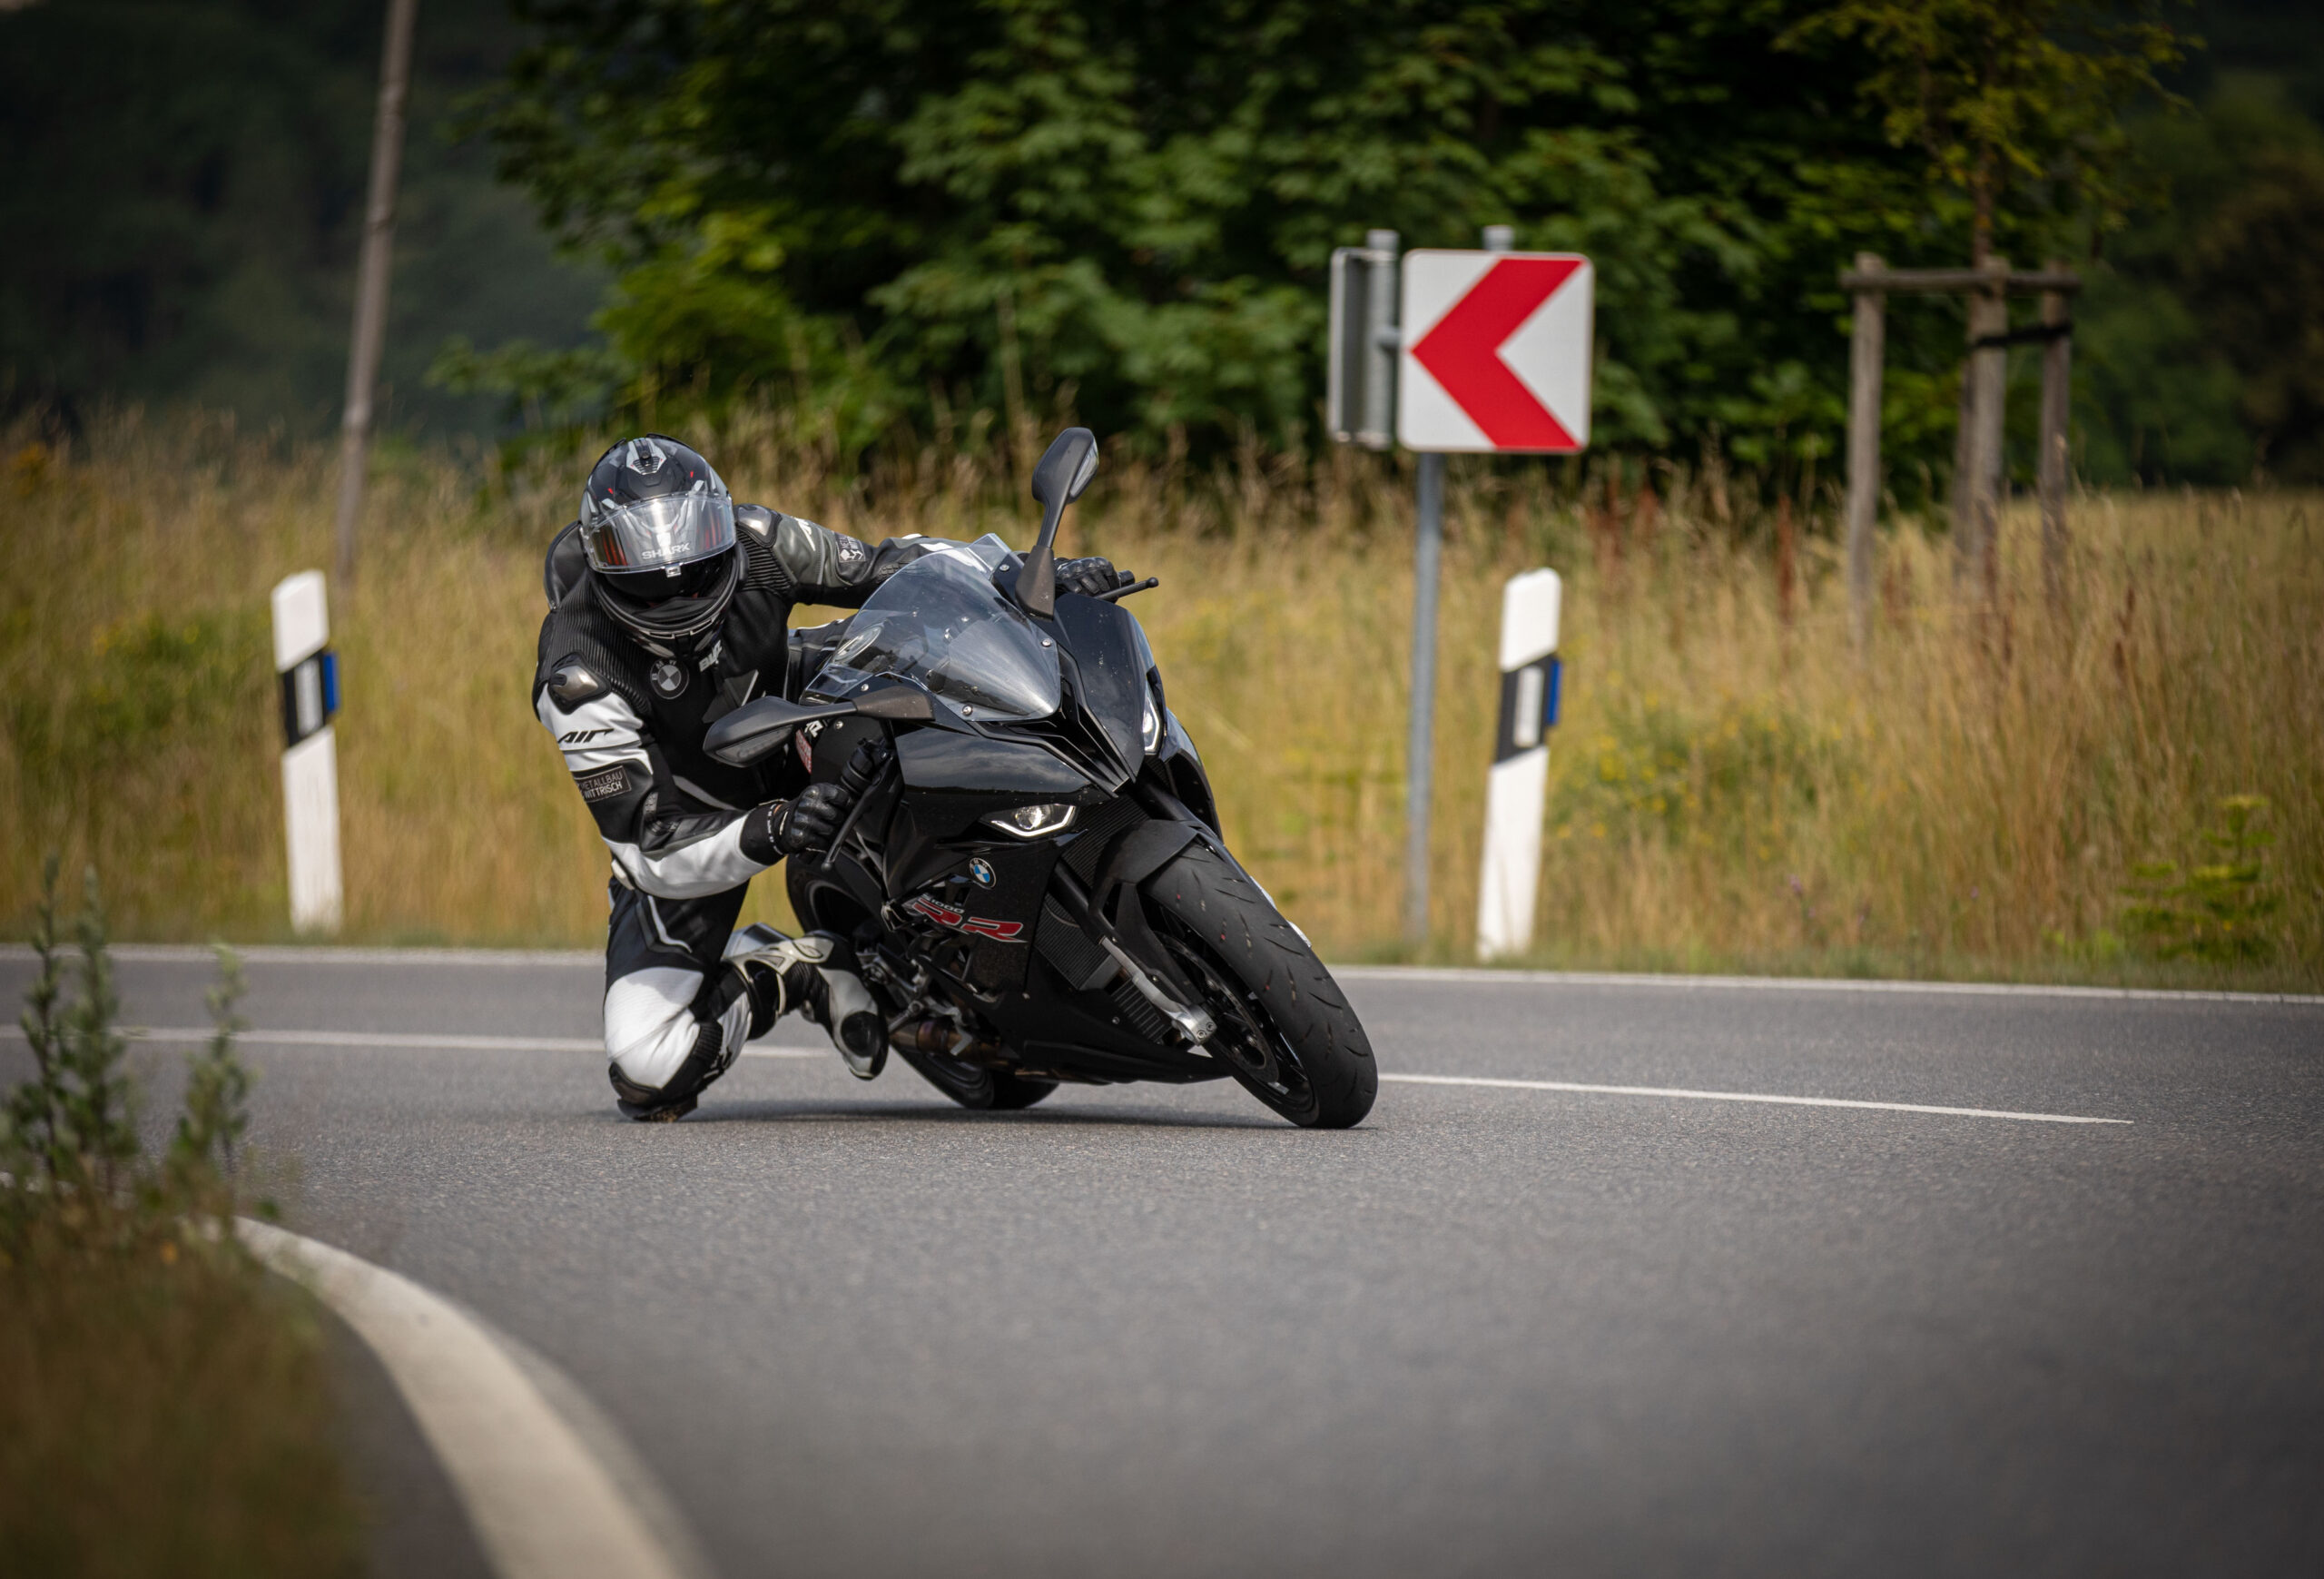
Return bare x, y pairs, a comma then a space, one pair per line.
1866, 352
2057, 369
1988, 385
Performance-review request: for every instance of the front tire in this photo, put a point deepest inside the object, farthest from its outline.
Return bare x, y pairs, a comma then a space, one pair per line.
1285, 1028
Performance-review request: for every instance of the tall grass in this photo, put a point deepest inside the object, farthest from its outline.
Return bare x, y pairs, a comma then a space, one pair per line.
1731, 786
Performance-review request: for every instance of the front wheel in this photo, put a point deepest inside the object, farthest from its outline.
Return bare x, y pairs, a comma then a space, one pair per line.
1284, 1028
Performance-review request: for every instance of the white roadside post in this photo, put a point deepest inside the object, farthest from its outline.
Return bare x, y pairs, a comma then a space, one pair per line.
309, 671
1519, 779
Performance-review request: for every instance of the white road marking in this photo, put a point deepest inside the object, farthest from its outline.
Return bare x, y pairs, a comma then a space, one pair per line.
1460, 1080
334, 954
1484, 976
544, 1505
586, 960
424, 1041
429, 1041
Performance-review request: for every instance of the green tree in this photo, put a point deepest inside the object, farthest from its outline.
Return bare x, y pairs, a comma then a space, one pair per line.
2011, 99
892, 213
2201, 346
186, 183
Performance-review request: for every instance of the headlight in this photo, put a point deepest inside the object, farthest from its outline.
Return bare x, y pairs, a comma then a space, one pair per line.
1033, 821
1152, 726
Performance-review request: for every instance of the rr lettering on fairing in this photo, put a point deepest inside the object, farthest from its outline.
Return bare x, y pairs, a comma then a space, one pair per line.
960, 919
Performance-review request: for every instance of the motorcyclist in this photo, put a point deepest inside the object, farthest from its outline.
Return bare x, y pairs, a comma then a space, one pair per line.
669, 607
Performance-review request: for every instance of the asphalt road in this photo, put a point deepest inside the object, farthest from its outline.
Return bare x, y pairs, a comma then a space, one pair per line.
1147, 1331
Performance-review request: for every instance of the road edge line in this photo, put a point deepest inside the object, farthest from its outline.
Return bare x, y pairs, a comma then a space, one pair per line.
1487, 975
330, 954
543, 1504
1768, 1098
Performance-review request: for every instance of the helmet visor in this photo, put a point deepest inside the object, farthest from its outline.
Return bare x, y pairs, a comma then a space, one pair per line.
658, 534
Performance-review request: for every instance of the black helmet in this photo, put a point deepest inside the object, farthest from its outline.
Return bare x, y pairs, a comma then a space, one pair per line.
658, 525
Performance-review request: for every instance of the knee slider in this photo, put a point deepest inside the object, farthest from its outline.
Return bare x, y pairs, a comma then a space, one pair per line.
675, 1097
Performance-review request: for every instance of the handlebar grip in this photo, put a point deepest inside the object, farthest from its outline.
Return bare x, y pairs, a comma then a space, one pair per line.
864, 766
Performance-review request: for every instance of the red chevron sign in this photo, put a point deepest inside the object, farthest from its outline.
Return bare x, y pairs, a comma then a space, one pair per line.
1496, 351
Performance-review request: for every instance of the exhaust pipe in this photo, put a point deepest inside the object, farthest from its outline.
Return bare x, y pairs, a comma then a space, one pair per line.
944, 1037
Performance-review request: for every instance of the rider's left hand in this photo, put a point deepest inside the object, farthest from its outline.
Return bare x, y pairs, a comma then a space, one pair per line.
1090, 576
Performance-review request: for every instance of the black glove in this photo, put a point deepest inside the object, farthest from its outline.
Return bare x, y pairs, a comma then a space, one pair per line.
809, 821
1090, 576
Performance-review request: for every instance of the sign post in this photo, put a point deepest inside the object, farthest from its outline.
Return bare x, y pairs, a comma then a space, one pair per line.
309, 672
1420, 736
1493, 354
1519, 779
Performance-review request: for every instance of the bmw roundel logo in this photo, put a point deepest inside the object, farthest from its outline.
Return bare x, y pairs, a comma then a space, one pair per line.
981, 870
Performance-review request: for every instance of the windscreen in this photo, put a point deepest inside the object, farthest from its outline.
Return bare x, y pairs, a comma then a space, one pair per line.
940, 622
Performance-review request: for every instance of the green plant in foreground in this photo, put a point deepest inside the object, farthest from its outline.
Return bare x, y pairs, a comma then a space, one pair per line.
165, 1405
200, 1165
2216, 911
73, 1123
68, 1136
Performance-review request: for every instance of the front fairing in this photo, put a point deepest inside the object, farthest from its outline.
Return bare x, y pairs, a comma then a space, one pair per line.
1074, 688
939, 624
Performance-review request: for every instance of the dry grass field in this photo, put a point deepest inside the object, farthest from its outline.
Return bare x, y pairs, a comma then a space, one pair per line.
1990, 791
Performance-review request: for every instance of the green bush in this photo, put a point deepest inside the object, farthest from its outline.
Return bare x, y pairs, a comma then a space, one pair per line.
2216, 910
1696, 778
142, 684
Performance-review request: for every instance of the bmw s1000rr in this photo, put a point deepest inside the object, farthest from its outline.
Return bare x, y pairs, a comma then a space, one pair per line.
1035, 884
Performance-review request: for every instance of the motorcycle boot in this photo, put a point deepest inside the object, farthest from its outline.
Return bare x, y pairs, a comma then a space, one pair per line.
817, 975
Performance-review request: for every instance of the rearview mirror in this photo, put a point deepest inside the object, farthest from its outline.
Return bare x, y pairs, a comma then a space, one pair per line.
1064, 468
757, 729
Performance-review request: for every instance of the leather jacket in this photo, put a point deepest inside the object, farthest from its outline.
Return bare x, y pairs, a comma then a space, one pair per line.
630, 720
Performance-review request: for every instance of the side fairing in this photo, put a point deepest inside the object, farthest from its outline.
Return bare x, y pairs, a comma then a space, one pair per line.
1112, 661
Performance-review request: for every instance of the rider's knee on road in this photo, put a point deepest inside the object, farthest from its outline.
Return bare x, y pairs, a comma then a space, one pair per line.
657, 1020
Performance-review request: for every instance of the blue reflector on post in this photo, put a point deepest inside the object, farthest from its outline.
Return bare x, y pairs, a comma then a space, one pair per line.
1550, 701
330, 683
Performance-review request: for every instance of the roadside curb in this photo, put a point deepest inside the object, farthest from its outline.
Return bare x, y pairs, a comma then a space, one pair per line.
551, 1496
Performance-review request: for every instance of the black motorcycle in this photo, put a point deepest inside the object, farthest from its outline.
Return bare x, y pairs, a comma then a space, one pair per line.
1035, 882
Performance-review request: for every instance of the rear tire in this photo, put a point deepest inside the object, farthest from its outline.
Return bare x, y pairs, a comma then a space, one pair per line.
1285, 1028
1011, 1092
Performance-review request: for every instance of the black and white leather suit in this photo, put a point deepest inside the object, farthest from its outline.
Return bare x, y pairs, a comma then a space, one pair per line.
687, 833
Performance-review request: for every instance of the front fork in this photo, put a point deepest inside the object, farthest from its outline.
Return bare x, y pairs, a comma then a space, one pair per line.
1193, 1022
